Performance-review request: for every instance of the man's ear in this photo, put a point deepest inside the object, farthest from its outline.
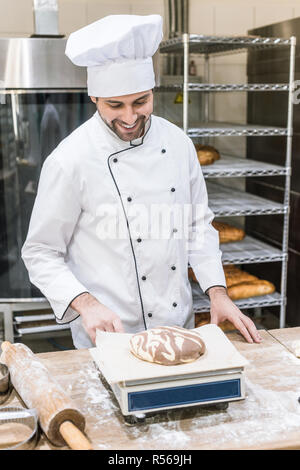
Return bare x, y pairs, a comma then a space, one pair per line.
94, 99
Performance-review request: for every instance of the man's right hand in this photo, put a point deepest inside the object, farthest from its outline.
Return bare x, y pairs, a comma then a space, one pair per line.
96, 316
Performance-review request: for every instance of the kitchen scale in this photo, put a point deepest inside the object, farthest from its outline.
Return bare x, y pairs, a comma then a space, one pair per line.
216, 378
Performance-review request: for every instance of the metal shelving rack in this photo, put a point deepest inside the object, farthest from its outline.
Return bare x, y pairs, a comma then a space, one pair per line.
18, 323
239, 203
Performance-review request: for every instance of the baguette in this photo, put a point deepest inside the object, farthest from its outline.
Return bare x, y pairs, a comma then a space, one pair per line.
235, 278
231, 268
228, 233
233, 275
241, 284
191, 275
250, 289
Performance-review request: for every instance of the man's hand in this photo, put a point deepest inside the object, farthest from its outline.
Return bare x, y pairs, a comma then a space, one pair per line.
96, 316
222, 308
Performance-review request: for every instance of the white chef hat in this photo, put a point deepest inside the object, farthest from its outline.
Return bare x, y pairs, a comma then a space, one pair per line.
117, 51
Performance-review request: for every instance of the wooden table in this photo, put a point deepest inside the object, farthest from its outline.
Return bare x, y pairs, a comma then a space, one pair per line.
269, 417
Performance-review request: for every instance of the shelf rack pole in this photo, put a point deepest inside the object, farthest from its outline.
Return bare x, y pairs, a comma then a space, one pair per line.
206, 94
185, 80
285, 239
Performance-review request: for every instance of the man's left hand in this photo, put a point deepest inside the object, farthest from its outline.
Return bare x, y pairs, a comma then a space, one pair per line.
222, 308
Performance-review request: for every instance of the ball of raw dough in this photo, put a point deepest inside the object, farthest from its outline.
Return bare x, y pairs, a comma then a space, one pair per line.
167, 345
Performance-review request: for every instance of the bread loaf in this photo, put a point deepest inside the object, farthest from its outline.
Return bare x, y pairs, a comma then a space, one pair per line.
228, 268
234, 278
207, 154
203, 318
233, 275
228, 233
191, 275
167, 345
248, 289
241, 284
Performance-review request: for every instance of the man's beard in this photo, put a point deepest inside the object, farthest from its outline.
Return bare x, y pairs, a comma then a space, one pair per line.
128, 136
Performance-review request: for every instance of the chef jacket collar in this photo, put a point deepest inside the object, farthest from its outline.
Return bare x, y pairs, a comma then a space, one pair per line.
117, 140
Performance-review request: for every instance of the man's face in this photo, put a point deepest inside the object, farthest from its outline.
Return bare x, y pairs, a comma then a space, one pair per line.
126, 115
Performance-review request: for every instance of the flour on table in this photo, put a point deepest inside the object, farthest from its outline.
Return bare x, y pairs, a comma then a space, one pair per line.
296, 347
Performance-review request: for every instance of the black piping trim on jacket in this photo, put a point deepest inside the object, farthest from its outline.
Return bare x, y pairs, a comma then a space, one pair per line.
131, 244
218, 285
67, 322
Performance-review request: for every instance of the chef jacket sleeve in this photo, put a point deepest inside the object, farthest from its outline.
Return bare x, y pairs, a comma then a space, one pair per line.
204, 253
54, 216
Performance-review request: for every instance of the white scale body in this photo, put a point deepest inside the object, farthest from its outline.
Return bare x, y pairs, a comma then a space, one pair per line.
141, 387
136, 397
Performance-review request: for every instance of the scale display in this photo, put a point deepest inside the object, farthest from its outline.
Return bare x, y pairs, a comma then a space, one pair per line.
184, 395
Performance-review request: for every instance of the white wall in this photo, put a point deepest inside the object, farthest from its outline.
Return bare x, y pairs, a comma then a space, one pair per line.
234, 17
237, 16
216, 17
206, 16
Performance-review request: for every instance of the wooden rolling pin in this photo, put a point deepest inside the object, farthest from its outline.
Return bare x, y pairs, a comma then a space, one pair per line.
59, 417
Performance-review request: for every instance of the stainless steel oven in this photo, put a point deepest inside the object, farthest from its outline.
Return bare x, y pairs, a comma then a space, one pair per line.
42, 99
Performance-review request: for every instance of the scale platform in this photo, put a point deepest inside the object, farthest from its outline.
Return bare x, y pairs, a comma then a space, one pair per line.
141, 387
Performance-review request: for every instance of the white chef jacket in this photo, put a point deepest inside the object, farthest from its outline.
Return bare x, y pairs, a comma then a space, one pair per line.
142, 279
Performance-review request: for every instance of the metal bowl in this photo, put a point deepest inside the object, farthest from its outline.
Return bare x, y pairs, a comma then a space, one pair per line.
16, 414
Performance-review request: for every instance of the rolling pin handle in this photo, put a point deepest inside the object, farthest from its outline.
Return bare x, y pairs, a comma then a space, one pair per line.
75, 439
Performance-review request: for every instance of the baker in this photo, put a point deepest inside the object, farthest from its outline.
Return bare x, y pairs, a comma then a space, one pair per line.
90, 247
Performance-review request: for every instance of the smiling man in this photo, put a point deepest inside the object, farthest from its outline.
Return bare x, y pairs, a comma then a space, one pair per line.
122, 158
126, 115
